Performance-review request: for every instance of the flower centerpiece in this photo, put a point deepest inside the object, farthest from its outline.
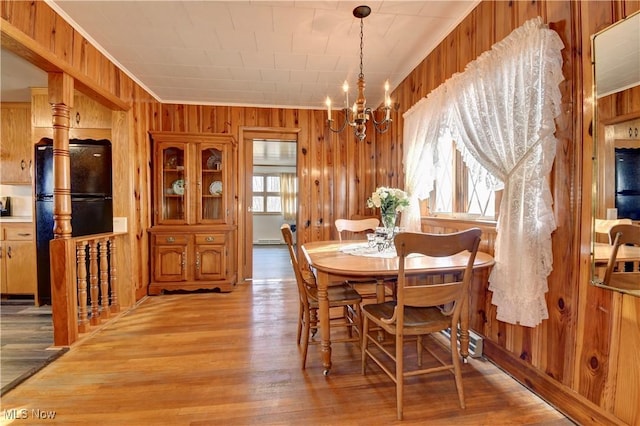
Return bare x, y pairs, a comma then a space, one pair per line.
390, 201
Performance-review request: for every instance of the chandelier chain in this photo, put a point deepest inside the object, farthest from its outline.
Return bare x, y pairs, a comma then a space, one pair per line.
361, 45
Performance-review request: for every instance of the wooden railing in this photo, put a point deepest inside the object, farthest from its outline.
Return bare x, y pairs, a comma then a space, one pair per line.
84, 284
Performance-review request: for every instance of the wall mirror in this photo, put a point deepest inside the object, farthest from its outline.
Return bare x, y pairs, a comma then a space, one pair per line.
616, 137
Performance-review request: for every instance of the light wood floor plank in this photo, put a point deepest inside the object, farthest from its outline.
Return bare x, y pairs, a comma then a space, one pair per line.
203, 359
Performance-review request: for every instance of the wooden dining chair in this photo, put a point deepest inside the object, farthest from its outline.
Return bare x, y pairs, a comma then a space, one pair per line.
340, 296
625, 275
603, 226
352, 227
420, 309
349, 228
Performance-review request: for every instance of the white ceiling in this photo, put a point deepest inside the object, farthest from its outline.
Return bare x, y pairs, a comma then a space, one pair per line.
262, 53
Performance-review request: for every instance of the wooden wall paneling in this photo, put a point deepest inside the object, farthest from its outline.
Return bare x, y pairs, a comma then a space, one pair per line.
563, 292
585, 23
595, 305
44, 30
303, 155
124, 161
483, 39
626, 396
340, 147
326, 177
503, 22
144, 112
63, 33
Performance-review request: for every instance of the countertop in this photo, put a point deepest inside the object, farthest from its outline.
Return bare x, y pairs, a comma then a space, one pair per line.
16, 219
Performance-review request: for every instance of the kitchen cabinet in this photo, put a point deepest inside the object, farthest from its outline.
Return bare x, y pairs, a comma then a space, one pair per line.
193, 237
18, 259
16, 149
85, 113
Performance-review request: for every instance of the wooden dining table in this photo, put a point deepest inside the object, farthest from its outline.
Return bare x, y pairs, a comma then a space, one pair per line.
602, 252
334, 262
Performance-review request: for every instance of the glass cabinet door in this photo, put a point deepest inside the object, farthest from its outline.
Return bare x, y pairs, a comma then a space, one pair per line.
212, 179
172, 186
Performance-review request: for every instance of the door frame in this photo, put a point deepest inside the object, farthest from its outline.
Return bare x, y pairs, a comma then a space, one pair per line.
245, 191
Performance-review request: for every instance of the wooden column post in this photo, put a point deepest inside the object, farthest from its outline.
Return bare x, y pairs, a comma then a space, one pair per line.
63, 297
61, 100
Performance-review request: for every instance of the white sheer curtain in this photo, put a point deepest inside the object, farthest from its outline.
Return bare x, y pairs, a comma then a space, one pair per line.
422, 126
501, 112
288, 194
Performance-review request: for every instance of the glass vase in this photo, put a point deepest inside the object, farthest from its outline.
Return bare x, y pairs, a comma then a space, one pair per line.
389, 220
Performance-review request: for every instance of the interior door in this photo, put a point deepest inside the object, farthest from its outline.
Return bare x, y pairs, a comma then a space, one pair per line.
245, 236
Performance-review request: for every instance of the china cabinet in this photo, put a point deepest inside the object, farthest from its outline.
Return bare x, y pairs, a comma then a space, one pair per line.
193, 237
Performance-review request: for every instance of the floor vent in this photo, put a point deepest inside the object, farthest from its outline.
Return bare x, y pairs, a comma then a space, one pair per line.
475, 342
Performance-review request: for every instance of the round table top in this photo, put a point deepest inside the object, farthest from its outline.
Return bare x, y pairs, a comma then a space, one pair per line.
327, 256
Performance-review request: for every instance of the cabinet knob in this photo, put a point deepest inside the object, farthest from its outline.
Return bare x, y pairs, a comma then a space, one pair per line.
23, 164
197, 260
209, 239
24, 234
171, 240
77, 118
9, 252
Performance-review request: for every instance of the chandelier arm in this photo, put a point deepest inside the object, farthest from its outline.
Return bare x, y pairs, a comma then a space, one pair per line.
385, 120
344, 123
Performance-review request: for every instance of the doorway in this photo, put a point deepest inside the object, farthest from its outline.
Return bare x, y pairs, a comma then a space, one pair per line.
269, 199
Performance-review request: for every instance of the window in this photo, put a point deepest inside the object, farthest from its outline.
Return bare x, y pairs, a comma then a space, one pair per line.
266, 194
456, 190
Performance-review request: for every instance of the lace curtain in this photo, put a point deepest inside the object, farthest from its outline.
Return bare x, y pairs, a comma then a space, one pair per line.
288, 195
501, 112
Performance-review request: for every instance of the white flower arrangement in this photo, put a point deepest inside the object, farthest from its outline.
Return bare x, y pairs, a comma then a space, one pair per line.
388, 200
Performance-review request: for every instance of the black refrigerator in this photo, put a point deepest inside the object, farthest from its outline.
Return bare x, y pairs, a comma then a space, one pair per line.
628, 182
91, 198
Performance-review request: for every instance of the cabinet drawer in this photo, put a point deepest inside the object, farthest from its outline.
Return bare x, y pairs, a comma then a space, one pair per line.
18, 233
164, 239
212, 238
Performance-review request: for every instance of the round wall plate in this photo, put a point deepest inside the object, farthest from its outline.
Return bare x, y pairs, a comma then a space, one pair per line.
215, 188
178, 187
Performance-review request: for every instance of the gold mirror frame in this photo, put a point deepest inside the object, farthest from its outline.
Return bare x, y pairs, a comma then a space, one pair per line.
622, 28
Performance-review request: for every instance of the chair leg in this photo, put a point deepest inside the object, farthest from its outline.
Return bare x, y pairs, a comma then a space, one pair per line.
300, 321
345, 314
399, 374
359, 319
313, 318
457, 371
307, 336
364, 342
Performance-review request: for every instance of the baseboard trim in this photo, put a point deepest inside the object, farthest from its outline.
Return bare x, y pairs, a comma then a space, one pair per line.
570, 403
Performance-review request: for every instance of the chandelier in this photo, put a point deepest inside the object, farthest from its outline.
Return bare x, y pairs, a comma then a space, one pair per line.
358, 115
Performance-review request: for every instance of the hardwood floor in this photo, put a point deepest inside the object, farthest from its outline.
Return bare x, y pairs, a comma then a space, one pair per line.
231, 358
26, 335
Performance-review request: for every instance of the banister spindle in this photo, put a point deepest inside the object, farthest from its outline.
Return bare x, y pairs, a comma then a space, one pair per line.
104, 279
115, 303
81, 265
93, 280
